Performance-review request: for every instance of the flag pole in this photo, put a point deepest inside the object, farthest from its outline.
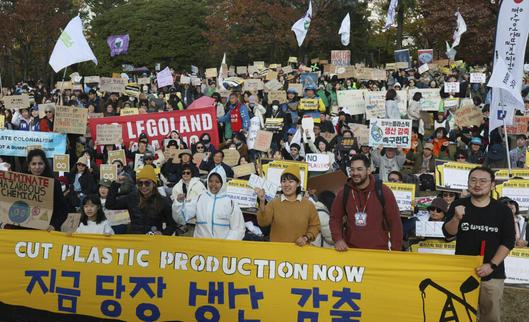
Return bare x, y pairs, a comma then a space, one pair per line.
62, 84
506, 140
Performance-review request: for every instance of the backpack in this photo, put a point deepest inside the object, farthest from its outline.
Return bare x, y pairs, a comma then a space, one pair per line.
380, 196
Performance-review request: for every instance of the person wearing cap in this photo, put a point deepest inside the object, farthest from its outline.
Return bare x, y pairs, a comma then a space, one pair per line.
291, 107
520, 224
294, 154
310, 93
172, 171
217, 216
210, 163
34, 124
475, 154
292, 218
424, 160
143, 148
149, 211
518, 154
83, 181
238, 116
438, 209
21, 120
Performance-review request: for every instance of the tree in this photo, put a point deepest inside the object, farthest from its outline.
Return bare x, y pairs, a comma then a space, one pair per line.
168, 32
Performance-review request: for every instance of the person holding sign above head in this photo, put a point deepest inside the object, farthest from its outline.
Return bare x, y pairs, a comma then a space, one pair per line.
217, 216
148, 210
209, 164
372, 217
310, 94
483, 226
292, 218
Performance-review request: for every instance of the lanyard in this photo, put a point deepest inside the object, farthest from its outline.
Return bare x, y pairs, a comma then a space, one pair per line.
356, 206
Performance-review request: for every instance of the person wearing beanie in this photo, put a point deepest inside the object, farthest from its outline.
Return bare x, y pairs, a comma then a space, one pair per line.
438, 209
217, 216
148, 210
292, 218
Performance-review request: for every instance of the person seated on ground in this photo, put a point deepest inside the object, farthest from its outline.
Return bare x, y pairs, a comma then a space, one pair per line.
438, 209
209, 164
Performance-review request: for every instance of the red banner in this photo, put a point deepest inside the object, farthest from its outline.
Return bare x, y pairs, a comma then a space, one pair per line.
191, 124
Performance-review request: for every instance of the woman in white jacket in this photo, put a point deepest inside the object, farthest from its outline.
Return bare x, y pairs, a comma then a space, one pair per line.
217, 216
188, 187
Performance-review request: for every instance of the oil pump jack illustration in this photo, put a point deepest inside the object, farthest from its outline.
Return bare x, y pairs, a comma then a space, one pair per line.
449, 312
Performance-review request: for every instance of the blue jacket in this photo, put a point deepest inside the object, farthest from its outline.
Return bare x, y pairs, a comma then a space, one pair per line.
245, 116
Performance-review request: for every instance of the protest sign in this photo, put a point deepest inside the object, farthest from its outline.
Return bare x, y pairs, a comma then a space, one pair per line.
292, 60
352, 101
91, 79
516, 266
15, 143
195, 81
468, 116
308, 79
390, 133
424, 68
270, 188
71, 223
70, 120
231, 157
138, 161
108, 172
78, 87
63, 85
452, 176
360, 132
144, 81
402, 101
280, 96
118, 217
129, 111
117, 155
211, 72
341, 57
164, 78
520, 126
263, 140
391, 66
272, 75
479, 78
242, 70
191, 124
273, 85
61, 163
260, 273
516, 189
109, 134
241, 193
274, 169
404, 194
318, 162
185, 79
504, 175
403, 56
16, 102
451, 87
26, 200
95, 115
431, 229
308, 104
375, 105
431, 98
2, 121
243, 170
253, 85
113, 85
402, 65
253, 71
425, 55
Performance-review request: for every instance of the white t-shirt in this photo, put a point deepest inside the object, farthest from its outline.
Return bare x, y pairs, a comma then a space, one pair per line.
91, 227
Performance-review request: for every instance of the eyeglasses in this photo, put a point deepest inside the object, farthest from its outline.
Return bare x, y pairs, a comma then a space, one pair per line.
186, 172
435, 209
475, 181
146, 183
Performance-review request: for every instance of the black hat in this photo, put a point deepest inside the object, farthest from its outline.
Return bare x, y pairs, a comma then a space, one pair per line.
172, 143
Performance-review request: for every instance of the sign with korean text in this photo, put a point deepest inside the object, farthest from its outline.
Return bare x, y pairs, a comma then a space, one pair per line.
431, 98
280, 96
516, 189
309, 104
520, 126
70, 120
468, 116
375, 104
274, 169
26, 200
61, 163
92, 79
263, 140
452, 176
390, 133
479, 78
113, 85
129, 111
241, 193
404, 194
15, 143
451, 87
163, 278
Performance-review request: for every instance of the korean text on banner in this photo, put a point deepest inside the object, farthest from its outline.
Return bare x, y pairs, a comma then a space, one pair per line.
70, 120
26, 200
186, 279
390, 133
191, 124
14, 143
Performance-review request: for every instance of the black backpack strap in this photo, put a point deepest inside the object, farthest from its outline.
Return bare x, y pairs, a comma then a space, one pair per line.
382, 200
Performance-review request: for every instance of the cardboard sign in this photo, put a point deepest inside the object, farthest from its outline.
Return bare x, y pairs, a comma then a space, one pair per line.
241, 193
16, 102
61, 163
479, 78
113, 85
138, 161
26, 200
144, 81
244, 170
333, 181
43, 107
197, 158
360, 132
117, 155
352, 101
309, 104
231, 157
451, 87
185, 79
424, 68
63, 85
118, 217
273, 85
70, 120
71, 223
92, 79
109, 134
287, 69
520, 125
297, 87
280, 96
242, 70
468, 116
253, 85
108, 172
390, 133
263, 140
259, 64
341, 57
433, 229
129, 111
195, 81
211, 72
292, 60
318, 162
404, 194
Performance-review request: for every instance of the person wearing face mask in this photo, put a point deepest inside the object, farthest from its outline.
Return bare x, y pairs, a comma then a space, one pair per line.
70, 197
205, 139
217, 216
257, 109
292, 218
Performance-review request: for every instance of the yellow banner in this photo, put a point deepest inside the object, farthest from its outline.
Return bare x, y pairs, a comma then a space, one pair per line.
161, 278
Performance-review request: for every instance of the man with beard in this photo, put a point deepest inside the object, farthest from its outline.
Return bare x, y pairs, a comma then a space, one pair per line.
483, 226
370, 209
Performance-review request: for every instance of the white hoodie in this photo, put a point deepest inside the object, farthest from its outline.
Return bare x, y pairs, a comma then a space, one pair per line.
217, 216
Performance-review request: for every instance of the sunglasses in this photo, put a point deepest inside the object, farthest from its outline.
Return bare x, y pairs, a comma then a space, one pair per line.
186, 172
48, 112
200, 147
435, 209
144, 183
449, 194
82, 165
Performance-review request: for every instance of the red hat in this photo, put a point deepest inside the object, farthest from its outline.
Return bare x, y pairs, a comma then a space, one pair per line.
64, 180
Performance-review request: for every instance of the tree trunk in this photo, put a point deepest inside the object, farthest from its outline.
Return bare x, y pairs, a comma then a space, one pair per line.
400, 26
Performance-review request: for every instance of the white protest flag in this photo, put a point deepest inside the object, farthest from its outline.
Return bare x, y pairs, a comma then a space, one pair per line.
460, 30
164, 78
514, 15
301, 27
345, 30
390, 18
71, 47
220, 79
510, 96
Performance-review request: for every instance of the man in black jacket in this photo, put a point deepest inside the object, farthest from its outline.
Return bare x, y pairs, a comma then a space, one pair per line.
209, 163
